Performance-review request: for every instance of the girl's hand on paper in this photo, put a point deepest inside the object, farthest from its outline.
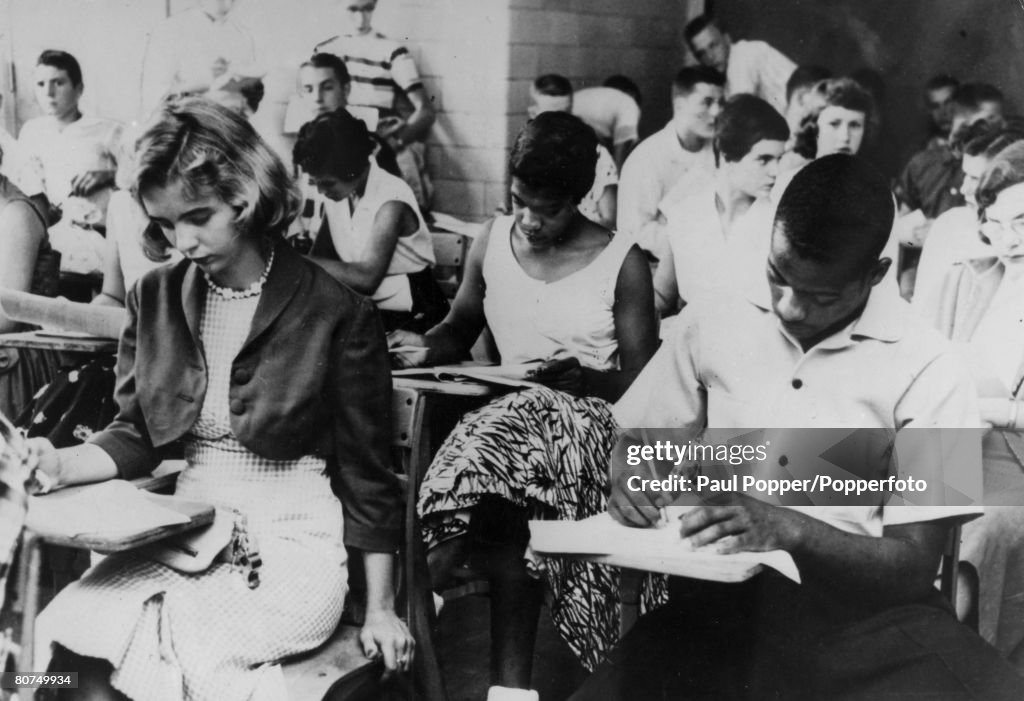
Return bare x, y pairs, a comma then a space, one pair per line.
563, 374
409, 349
44, 464
734, 522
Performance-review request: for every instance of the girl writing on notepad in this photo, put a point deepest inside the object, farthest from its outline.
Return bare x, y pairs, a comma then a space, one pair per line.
275, 379
550, 284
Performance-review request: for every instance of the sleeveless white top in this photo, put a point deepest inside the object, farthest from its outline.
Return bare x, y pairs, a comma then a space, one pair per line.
352, 229
532, 319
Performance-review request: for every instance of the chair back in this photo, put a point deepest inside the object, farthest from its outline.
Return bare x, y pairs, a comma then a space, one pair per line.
449, 260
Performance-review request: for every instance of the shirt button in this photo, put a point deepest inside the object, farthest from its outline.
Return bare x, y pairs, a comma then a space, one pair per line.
241, 376
237, 406
798, 383
783, 460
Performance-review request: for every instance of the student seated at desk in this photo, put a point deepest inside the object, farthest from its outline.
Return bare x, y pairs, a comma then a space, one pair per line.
979, 305
821, 345
553, 93
370, 234
718, 234
550, 284
27, 264
276, 380
76, 156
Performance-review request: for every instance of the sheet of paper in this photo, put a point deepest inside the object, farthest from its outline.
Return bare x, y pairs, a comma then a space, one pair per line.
659, 547
507, 375
113, 508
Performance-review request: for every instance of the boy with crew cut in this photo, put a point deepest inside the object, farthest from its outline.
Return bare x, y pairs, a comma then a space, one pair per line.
820, 346
753, 67
679, 153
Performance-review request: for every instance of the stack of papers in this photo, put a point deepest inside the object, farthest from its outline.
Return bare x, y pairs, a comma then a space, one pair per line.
659, 549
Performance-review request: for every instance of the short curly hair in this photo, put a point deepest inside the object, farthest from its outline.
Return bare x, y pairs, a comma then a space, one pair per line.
835, 92
745, 121
335, 143
555, 153
213, 151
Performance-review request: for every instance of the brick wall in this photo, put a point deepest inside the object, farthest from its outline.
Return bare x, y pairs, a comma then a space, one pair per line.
479, 57
461, 50
588, 40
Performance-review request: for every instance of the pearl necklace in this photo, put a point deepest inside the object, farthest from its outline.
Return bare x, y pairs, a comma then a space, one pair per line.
252, 290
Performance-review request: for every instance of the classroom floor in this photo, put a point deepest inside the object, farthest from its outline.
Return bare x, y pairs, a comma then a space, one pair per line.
463, 645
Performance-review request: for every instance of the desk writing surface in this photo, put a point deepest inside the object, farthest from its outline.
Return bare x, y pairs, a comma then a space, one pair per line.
45, 517
461, 389
58, 342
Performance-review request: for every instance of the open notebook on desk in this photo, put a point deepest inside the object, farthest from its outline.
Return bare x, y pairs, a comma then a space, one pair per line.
504, 375
112, 516
659, 549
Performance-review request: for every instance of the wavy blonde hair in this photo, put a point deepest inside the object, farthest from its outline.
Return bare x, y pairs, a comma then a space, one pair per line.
213, 151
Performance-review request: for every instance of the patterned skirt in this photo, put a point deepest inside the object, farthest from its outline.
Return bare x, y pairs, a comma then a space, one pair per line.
547, 451
208, 636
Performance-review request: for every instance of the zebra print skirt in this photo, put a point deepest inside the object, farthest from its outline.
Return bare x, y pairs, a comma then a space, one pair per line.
547, 451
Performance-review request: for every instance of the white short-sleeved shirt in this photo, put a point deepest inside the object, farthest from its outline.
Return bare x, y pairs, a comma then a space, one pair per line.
757, 68
59, 153
611, 113
605, 175
657, 165
729, 364
189, 51
351, 232
952, 237
706, 261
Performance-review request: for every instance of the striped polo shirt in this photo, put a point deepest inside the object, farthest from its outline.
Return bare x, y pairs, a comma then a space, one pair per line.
381, 69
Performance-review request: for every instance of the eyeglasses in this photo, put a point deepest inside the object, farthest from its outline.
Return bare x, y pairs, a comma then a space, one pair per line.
991, 228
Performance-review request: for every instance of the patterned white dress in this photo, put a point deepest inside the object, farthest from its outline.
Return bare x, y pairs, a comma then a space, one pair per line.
171, 635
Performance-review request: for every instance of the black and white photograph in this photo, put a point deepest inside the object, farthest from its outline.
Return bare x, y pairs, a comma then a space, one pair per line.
511, 350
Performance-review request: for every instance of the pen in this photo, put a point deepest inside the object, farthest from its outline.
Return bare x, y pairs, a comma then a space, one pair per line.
664, 515
403, 349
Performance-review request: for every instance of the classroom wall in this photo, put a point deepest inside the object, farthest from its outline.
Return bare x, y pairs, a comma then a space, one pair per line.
908, 41
477, 58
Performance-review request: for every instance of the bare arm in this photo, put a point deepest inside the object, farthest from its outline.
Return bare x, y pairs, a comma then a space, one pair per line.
383, 632
21, 233
607, 206
636, 329
113, 291
393, 220
79, 464
422, 118
666, 287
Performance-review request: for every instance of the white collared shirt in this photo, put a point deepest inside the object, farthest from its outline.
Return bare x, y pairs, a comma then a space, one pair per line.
707, 261
657, 165
729, 364
757, 68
